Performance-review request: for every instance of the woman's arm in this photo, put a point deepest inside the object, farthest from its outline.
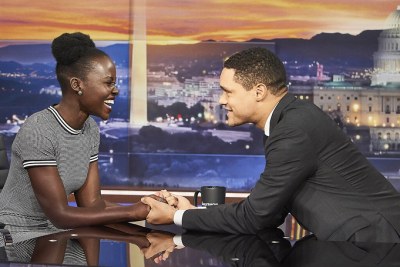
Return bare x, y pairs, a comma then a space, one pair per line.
89, 239
91, 210
89, 195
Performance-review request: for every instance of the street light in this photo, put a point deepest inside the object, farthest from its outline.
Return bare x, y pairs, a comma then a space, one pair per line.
386, 146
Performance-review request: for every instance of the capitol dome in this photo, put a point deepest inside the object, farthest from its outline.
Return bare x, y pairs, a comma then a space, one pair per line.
393, 20
387, 58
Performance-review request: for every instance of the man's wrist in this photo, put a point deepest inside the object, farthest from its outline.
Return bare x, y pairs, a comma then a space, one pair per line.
178, 216
178, 241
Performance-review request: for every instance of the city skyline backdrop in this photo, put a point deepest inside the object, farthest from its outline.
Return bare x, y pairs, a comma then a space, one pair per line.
166, 153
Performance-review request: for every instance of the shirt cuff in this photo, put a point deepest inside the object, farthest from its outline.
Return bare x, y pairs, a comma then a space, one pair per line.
178, 241
178, 216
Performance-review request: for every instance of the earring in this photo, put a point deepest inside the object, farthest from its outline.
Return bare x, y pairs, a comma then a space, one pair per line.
80, 92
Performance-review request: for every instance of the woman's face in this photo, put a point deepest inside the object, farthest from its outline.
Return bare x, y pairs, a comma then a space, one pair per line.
99, 89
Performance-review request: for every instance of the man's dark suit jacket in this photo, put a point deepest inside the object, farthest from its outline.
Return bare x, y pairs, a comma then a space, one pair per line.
269, 249
310, 252
316, 173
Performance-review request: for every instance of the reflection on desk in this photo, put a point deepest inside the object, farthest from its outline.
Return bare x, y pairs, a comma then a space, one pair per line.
133, 245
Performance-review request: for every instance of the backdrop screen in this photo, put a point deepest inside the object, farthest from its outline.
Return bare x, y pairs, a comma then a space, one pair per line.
181, 139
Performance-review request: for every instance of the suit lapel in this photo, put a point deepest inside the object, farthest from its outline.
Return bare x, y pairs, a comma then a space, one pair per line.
264, 139
276, 116
285, 101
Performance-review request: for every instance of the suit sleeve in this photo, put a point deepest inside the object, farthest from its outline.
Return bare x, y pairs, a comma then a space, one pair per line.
291, 159
239, 250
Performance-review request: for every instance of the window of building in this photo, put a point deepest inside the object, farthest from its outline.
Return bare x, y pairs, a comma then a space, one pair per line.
387, 109
348, 98
398, 110
321, 97
348, 108
355, 98
370, 109
370, 98
387, 120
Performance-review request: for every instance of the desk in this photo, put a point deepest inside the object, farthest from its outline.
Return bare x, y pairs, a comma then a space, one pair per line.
146, 245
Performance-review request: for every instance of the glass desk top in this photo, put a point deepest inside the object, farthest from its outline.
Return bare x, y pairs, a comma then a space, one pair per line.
146, 245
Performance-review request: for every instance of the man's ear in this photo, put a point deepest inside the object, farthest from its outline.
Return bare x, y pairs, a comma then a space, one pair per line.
75, 84
261, 92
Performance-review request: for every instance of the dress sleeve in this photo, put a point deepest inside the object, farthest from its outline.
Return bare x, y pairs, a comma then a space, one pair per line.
94, 139
35, 145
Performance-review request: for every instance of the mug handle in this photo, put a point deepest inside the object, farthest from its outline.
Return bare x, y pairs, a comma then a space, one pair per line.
196, 194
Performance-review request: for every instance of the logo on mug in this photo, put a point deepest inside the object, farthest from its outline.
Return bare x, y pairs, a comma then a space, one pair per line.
211, 204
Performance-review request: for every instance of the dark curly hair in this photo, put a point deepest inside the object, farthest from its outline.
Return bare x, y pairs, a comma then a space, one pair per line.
74, 53
258, 65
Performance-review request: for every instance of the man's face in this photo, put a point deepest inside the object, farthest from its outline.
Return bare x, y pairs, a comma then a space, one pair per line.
237, 101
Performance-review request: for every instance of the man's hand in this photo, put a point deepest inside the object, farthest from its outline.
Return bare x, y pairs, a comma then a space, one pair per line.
161, 246
160, 213
179, 202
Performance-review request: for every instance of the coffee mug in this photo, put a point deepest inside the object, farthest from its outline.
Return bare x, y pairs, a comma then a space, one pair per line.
210, 195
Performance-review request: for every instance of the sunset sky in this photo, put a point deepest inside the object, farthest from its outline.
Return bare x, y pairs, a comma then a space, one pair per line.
190, 21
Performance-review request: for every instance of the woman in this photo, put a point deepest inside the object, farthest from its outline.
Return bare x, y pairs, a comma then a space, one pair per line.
55, 152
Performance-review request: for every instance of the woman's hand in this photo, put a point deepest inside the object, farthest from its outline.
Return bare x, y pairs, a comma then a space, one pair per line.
140, 211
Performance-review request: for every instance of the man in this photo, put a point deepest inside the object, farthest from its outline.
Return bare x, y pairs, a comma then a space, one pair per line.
313, 170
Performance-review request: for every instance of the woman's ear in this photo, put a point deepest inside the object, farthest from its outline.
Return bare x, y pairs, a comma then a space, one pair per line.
75, 84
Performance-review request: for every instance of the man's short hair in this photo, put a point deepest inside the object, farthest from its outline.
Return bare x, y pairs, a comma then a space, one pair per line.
258, 65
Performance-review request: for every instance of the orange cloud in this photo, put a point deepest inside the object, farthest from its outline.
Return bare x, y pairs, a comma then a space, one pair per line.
45, 19
190, 21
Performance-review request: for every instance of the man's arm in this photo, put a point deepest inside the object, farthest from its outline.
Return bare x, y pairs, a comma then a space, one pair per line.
245, 250
291, 159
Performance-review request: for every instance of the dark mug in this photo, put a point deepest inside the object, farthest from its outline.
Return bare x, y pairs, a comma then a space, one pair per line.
210, 195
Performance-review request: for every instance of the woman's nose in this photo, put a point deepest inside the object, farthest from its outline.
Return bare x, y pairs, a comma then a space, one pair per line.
115, 91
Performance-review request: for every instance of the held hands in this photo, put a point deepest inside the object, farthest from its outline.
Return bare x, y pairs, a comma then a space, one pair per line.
179, 202
142, 210
162, 213
161, 246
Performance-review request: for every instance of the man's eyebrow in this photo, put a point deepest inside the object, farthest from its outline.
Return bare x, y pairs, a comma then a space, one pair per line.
223, 88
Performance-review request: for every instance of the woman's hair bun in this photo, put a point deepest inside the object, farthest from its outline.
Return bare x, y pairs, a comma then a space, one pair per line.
70, 47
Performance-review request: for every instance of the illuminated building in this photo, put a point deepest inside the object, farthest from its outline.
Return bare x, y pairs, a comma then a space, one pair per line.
387, 58
375, 107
